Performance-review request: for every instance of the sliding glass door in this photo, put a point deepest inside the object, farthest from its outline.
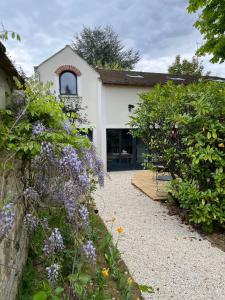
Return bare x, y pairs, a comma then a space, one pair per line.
123, 151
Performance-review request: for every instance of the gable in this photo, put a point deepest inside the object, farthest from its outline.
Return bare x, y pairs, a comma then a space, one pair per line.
65, 58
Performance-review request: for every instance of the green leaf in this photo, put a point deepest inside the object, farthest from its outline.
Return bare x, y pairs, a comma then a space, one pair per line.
59, 291
209, 135
146, 288
84, 278
40, 296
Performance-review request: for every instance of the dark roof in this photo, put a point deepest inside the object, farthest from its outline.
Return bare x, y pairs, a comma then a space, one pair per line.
145, 79
6, 65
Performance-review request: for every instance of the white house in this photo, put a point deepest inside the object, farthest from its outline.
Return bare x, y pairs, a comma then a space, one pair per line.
109, 97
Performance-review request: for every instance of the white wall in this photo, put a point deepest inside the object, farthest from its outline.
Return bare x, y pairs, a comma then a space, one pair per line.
4, 87
115, 104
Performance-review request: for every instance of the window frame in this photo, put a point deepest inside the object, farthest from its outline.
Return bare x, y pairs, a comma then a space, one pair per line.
75, 77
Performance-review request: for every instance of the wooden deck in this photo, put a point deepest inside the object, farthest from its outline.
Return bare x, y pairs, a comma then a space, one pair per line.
147, 183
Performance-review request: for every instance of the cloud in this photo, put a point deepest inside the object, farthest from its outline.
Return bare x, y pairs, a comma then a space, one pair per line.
158, 29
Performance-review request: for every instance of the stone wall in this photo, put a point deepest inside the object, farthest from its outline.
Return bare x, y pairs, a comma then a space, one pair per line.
13, 250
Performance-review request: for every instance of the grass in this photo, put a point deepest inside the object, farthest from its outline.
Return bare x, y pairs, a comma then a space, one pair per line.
115, 286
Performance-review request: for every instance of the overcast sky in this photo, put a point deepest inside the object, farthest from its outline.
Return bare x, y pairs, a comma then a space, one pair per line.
159, 29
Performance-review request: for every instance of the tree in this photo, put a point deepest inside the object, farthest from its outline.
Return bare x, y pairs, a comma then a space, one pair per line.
185, 67
102, 47
211, 24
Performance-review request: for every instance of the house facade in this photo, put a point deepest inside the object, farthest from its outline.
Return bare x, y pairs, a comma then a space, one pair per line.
108, 97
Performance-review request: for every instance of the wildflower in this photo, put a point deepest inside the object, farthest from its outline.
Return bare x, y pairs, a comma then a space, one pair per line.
105, 272
38, 128
129, 281
31, 222
53, 273
84, 215
54, 243
221, 145
89, 251
120, 230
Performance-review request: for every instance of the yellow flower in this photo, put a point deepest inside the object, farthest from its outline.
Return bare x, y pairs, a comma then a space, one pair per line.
105, 272
120, 230
129, 280
221, 145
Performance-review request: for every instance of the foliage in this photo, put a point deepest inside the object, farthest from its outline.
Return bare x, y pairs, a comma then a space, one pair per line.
102, 47
58, 170
6, 34
185, 67
87, 281
184, 128
210, 23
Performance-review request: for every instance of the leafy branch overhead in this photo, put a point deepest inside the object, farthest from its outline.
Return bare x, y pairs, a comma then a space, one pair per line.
102, 47
211, 24
6, 34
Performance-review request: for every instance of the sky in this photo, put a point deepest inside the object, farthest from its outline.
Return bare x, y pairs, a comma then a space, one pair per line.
158, 29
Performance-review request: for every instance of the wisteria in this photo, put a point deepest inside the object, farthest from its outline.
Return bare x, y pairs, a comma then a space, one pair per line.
31, 222
7, 218
94, 164
89, 251
84, 214
46, 148
53, 273
38, 128
54, 243
67, 126
71, 161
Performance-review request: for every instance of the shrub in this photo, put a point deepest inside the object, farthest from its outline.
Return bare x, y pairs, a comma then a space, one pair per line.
184, 129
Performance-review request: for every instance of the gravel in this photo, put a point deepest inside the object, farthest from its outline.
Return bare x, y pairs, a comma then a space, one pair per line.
157, 249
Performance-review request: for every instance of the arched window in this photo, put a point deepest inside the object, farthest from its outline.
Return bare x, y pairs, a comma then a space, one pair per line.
68, 83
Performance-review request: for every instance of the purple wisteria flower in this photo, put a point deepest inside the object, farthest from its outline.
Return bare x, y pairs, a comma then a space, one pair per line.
46, 148
31, 222
71, 160
54, 243
95, 164
84, 214
38, 128
90, 251
70, 199
67, 126
7, 218
53, 273
73, 166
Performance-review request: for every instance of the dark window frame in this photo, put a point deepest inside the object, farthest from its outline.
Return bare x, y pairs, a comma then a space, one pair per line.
75, 77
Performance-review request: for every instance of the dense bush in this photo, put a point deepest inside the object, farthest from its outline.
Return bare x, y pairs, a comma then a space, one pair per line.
184, 128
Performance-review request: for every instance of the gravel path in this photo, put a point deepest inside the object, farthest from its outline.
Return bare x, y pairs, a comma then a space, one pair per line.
157, 248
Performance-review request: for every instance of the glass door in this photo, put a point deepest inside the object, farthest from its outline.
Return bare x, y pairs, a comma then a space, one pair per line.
123, 151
